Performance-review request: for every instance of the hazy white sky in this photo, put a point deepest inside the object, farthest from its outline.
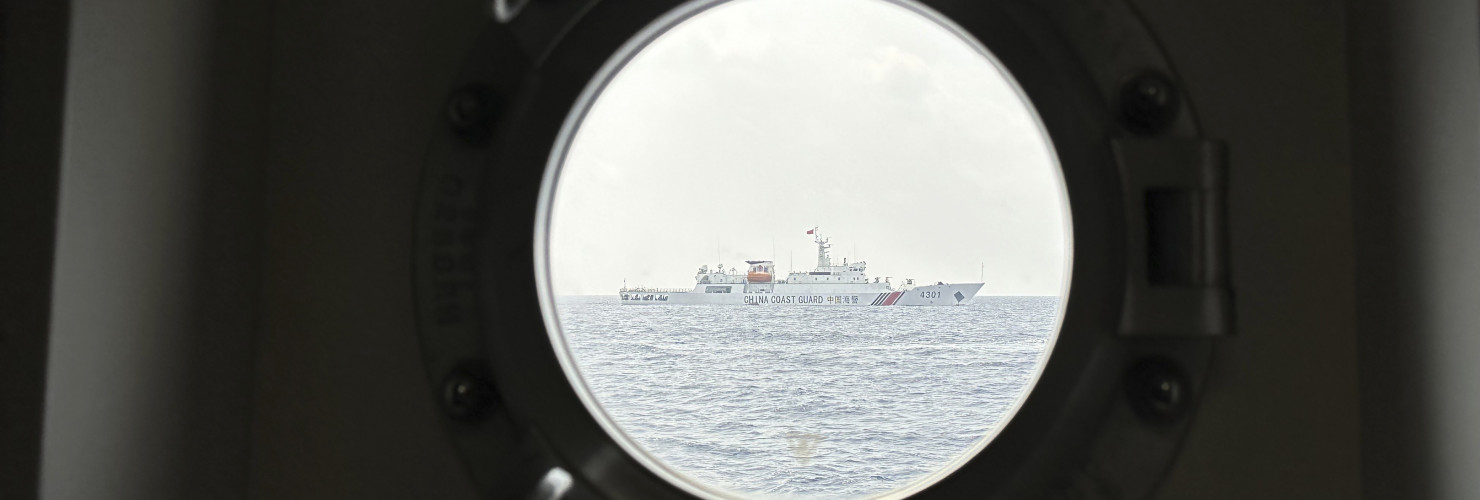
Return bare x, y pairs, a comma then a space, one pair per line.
754, 121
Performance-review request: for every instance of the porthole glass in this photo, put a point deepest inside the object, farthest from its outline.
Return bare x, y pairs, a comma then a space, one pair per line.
803, 248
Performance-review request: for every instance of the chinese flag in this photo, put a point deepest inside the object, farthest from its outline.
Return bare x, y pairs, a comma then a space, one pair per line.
809, 231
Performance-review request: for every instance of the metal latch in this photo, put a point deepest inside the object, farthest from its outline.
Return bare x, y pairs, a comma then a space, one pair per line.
1177, 237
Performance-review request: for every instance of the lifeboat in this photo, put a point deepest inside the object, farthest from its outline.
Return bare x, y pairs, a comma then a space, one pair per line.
758, 277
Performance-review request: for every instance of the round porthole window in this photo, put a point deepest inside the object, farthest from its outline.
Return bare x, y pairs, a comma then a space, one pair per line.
819, 249
803, 249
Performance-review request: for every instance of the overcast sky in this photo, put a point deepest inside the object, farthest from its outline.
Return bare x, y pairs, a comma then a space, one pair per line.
740, 129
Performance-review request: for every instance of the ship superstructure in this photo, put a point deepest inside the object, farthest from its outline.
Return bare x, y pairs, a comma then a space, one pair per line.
845, 284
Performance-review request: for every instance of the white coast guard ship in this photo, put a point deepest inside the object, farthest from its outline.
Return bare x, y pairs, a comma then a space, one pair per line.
827, 285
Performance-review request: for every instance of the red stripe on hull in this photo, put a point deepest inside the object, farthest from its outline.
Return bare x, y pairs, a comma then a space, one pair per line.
892, 297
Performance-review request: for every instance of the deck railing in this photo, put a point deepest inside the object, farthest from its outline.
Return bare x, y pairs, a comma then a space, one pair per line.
655, 290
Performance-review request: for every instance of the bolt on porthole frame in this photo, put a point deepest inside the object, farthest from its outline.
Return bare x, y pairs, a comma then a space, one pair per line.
572, 126
514, 416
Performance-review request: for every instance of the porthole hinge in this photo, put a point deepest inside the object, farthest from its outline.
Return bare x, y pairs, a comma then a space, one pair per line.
1177, 279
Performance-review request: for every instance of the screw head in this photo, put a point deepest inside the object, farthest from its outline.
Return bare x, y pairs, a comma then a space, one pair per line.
1158, 390
470, 110
466, 396
1148, 103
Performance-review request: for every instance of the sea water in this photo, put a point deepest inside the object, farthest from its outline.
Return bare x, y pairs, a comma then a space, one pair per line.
808, 401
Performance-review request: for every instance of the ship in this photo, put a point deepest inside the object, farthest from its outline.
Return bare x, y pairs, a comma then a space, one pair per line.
828, 284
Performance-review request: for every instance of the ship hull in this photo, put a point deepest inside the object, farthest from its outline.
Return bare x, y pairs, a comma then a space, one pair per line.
781, 295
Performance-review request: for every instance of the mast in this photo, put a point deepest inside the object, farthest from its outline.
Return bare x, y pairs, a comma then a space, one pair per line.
822, 259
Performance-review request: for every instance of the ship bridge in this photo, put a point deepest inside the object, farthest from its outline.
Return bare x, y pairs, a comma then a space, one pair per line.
826, 272
761, 277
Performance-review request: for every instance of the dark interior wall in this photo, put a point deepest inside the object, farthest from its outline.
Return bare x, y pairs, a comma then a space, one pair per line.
1279, 416
1415, 80
33, 58
148, 388
121, 297
232, 285
343, 407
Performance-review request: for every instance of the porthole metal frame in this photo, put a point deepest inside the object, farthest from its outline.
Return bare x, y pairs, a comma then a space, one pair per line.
513, 415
